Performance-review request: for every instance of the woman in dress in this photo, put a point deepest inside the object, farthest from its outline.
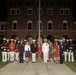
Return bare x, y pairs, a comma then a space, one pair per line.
56, 52
51, 55
39, 51
27, 51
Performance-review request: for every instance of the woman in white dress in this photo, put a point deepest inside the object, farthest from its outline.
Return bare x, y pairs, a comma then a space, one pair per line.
27, 51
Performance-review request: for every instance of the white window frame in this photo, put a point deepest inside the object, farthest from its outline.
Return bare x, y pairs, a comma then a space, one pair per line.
41, 10
16, 11
60, 11
30, 21
67, 25
14, 21
51, 10
50, 21
11, 11
28, 11
68, 11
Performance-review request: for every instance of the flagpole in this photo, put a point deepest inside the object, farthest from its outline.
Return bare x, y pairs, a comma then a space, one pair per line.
39, 22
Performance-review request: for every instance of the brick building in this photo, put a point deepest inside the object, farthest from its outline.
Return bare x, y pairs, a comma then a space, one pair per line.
22, 19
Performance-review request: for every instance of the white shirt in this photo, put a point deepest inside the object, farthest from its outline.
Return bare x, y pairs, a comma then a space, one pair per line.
45, 47
27, 48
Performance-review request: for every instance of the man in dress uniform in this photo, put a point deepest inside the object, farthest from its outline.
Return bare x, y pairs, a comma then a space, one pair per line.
66, 50
62, 48
11, 49
33, 50
70, 53
16, 51
4, 50
45, 50
8, 53
21, 51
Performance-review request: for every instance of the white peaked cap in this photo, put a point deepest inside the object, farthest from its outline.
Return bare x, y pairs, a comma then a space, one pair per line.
61, 40
56, 39
25, 40
45, 39
70, 39
4, 38
7, 39
67, 40
33, 40
11, 39
15, 40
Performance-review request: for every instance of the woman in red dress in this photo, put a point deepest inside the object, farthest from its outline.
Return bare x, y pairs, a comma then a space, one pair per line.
56, 52
39, 51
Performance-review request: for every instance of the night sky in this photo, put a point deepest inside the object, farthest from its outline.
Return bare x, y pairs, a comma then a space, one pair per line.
74, 10
3, 10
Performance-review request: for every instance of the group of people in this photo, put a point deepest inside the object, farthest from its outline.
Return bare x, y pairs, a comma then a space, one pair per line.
18, 50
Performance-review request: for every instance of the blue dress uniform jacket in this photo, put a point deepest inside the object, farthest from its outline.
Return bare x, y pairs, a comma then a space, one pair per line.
62, 48
21, 51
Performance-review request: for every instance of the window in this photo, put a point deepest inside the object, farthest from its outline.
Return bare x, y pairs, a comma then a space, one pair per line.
67, 11
30, 38
12, 11
30, 11
60, 3
14, 25
64, 3
29, 25
19, 3
15, 3
1, 27
41, 3
69, 3
11, 3
17, 11
37, 3
50, 25
62, 11
32, 3
28, 3
65, 25
41, 11
50, 11
47, 3
41, 25
51, 3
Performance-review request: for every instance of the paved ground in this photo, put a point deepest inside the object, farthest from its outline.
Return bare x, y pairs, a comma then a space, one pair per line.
38, 68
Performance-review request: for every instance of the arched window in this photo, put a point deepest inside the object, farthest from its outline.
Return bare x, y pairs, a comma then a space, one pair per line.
14, 25
41, 25
50, 25
29, 25
64, 25
1, 27
29, 38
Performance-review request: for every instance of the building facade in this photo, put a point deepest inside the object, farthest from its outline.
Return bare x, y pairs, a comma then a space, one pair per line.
56, 19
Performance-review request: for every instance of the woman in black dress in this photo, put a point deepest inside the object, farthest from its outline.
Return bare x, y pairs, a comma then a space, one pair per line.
51, 55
